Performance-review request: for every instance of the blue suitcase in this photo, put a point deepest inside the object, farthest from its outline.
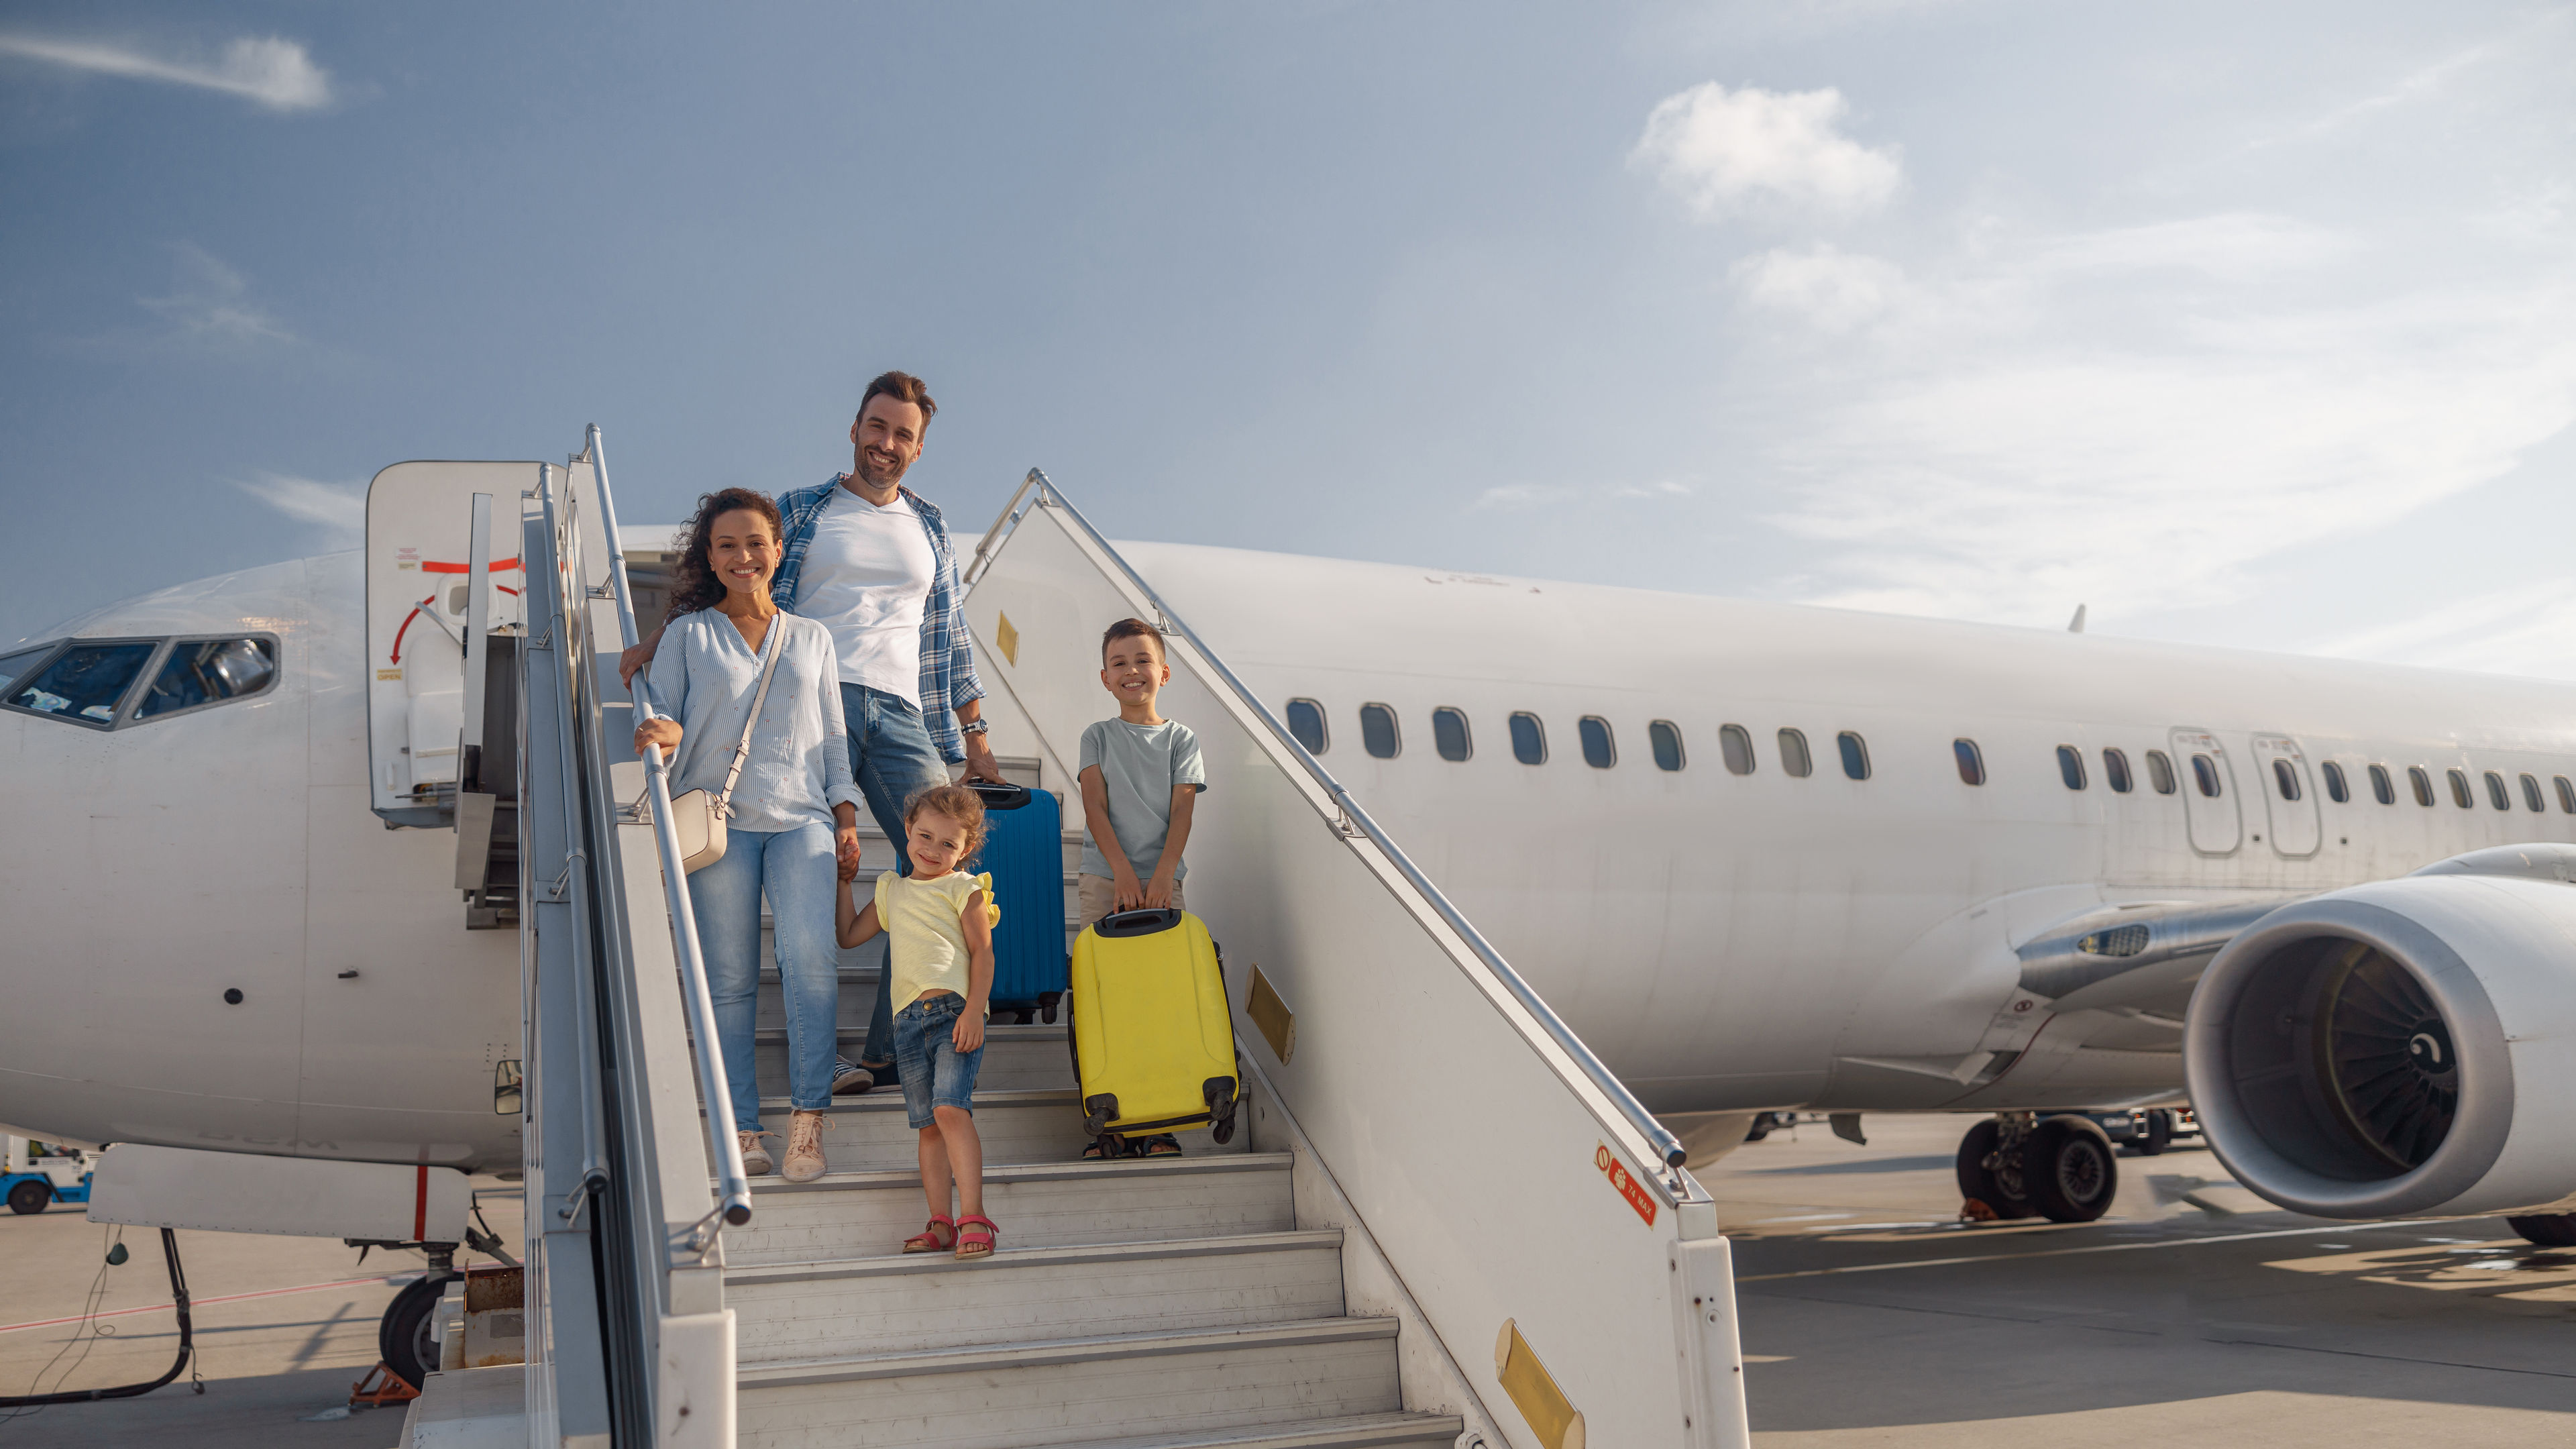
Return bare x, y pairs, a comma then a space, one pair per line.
1024, 849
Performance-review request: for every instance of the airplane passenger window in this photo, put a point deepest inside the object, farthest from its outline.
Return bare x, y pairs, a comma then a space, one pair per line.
1449, 734
2381, 789
2115, 772
1306, 722
2422, 782
1529, 739
2566, 794
2160, 771
2285, 779
1793, 755
1735, 742
2460, 795
1972, 762
2531, 795
2204, 773
1377, 731
2070, 766
2496, 795
1665, 738
1855, 755
2336, 790
86, 681
1597, 749
20, 662
209, 671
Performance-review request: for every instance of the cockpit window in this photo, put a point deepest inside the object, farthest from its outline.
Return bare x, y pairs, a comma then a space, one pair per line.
16, 665
86, 682
209, 671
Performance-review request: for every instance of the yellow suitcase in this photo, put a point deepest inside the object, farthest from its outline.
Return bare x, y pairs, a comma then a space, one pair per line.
1152, 1034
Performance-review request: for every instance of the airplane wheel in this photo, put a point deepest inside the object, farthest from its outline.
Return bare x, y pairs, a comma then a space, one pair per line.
2068, 1170
2549, 1230
403, 1339
2000, 1191
29, 1197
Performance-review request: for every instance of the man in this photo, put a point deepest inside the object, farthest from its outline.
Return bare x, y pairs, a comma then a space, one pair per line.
870, 559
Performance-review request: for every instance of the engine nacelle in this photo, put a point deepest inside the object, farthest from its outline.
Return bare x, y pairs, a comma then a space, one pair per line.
2402, 1048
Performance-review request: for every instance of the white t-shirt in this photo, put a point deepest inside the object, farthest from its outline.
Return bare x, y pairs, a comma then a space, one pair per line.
868, 572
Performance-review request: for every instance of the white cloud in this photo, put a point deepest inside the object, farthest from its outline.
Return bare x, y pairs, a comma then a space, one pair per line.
1832, 291
209, 305
2039, 423
1725, 151
274, 73
2530, 629
1534, 495
338, 511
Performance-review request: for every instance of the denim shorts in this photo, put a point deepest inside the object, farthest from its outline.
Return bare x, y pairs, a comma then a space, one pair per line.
935, 1073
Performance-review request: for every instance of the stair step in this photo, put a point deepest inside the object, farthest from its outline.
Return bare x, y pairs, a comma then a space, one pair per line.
1359, 1431
1046, 1393
926, 1301
869, 1214
872, 1131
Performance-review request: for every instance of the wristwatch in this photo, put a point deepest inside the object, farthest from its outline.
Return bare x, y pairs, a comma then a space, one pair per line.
976, 727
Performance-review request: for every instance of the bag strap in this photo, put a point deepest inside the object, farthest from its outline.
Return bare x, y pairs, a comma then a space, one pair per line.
772, 647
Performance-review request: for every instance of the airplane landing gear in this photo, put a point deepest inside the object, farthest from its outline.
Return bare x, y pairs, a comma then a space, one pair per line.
2019, 1166
2548, 1230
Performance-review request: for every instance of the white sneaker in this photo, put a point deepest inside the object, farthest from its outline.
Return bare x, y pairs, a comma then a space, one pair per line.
755, 1158
805, 1147
849, 1078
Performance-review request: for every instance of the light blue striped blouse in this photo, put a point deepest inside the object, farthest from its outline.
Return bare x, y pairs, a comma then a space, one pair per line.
704, 676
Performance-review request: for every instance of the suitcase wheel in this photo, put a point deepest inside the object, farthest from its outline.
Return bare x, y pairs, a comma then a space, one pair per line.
1220, 1095
1098, 1112
1047, 1002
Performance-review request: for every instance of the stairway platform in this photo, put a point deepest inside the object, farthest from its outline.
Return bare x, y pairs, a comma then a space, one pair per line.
1359, 1431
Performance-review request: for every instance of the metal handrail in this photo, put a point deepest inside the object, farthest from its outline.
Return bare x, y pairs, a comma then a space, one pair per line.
733, 1187
1003, 523
594, 1129
1666, 1145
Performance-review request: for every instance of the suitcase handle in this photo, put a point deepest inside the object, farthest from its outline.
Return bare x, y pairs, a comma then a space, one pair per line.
1138, 922
999, 797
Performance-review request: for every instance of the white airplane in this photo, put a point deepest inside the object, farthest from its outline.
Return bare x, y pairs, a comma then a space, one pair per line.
1759, 857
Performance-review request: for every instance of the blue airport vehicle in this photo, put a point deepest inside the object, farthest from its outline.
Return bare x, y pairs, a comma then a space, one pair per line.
36, 1175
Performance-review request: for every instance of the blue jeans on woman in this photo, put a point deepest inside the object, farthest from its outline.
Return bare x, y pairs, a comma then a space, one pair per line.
893, 759
799, 873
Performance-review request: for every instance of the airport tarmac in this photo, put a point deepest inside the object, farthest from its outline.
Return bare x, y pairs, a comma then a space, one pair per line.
1871, 1316
282, 1326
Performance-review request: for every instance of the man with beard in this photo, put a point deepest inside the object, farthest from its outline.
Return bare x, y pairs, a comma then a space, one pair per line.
870, 559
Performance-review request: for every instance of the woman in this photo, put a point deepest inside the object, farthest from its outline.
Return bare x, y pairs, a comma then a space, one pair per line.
793, 830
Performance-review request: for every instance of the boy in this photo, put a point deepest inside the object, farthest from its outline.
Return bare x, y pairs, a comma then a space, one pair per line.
1140, 778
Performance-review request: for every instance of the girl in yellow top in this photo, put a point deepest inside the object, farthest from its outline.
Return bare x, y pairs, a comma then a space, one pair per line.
939, 971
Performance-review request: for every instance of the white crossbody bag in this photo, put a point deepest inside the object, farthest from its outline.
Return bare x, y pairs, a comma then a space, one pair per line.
698, 817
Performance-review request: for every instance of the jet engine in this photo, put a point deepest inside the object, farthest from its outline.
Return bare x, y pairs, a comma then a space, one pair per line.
2406, 1047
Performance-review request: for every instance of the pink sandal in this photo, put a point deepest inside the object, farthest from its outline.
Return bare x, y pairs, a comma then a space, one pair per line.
928, 1239
973, 1244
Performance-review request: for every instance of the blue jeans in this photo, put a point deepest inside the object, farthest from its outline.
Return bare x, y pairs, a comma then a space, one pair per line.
935, 1073
893, 760
802, 878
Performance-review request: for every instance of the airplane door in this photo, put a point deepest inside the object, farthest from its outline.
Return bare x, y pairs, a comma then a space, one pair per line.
2208, 792
419, 541
2289, 794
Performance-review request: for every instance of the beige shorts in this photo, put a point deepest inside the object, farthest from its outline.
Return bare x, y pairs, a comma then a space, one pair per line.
1098, 893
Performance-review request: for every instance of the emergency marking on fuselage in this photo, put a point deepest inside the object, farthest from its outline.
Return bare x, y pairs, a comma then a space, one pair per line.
1625, 1182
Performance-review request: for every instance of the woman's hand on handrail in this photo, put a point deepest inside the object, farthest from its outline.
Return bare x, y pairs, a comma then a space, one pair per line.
663, 732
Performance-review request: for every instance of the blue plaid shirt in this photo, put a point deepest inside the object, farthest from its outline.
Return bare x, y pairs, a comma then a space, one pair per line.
947, 654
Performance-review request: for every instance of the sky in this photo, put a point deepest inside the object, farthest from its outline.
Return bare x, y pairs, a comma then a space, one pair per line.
2251, 326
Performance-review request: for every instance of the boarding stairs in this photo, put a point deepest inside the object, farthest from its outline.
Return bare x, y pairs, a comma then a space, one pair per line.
1348, 1271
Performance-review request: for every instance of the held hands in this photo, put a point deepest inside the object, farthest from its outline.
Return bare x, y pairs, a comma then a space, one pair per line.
845, 850
969, 1031
663, 732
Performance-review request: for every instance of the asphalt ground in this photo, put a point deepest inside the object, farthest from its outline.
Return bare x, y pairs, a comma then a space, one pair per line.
282, 1328
1872, 1316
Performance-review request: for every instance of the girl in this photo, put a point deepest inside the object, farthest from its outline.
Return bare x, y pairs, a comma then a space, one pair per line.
939, 974
793, 824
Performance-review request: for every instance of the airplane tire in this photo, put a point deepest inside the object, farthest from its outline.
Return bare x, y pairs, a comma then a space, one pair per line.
2069, 1171
403, 1338
1979, 1182
2549, 1230
29, 1197
2157, 1137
